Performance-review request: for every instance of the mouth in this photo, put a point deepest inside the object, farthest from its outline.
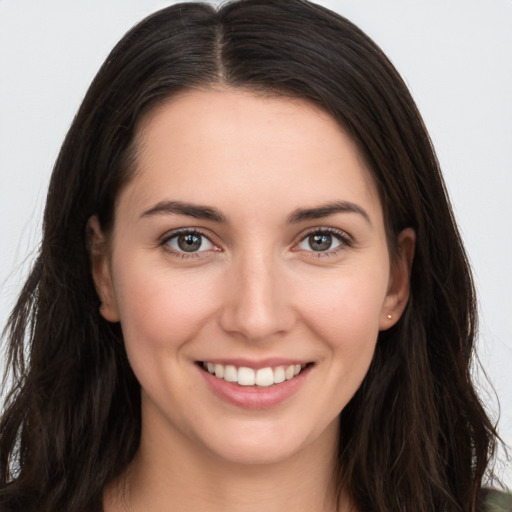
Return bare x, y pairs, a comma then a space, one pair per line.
245, 376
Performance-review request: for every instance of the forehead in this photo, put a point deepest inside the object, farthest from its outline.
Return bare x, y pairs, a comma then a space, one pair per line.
206, 145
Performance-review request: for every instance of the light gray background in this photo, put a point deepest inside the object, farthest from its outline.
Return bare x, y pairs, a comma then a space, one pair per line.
455, 55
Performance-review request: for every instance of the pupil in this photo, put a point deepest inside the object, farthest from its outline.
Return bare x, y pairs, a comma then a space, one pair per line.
320, 242
189, 242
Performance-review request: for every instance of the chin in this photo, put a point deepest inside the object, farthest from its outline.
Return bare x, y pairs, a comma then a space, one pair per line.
253, 453
262, 443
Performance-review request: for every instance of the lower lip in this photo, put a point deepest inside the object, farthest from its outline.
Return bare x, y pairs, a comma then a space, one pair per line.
254, 397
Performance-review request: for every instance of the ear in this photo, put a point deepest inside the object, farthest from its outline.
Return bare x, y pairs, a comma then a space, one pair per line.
100, 268
399, 284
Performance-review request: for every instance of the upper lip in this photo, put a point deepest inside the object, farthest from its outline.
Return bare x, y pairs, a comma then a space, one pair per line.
256, 364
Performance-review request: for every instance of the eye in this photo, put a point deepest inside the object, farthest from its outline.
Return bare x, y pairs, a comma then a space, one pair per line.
188, 242
323, 240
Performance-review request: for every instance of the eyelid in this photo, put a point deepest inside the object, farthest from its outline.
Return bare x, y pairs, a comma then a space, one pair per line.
164, 242
346, 240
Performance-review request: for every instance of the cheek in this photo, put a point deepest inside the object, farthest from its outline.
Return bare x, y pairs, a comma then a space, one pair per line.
160, 309
344, 308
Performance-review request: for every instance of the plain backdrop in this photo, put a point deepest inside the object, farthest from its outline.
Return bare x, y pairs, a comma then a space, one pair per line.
456, 57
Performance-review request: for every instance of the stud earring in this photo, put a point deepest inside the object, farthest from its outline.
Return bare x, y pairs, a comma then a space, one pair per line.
390, 316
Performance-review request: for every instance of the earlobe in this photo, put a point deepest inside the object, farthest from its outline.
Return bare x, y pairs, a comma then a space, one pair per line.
399, 282
100, 269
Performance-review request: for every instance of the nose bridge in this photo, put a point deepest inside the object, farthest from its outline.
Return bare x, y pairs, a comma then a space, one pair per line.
256, 307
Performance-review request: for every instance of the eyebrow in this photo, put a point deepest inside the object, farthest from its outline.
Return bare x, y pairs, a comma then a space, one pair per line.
188, 209
209, 213
327, 210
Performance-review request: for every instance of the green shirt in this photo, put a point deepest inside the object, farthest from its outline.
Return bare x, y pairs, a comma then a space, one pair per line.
497, 501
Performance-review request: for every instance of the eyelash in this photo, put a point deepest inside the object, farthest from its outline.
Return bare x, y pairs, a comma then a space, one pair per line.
185, 231
345, 241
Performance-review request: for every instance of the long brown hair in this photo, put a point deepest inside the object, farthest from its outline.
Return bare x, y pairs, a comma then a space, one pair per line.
413, 438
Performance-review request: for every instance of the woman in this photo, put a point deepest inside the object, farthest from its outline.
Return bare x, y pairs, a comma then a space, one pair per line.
241, 299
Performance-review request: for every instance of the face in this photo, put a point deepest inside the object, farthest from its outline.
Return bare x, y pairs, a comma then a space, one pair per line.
249, 268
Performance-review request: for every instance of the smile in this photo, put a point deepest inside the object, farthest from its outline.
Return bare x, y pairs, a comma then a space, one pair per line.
263, 377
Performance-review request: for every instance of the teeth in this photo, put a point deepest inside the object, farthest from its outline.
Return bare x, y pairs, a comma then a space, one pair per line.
279, 375
230, 373
244, 376
219, 371
265, 377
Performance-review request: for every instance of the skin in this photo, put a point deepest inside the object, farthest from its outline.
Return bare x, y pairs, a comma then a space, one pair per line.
258, 290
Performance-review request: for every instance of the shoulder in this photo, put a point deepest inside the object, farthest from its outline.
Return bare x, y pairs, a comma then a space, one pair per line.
496, 501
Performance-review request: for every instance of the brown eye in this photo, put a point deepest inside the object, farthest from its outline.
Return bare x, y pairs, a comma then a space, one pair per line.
189, 242
322, 241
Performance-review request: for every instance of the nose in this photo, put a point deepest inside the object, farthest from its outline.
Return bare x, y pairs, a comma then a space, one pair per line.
257, 305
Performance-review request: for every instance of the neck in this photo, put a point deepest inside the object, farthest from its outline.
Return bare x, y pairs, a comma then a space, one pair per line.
175, 471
